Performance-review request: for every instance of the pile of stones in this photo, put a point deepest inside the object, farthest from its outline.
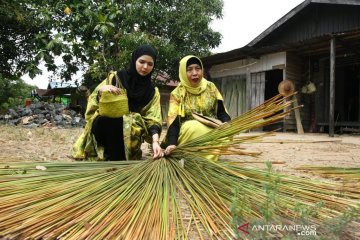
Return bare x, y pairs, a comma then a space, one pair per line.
43, 114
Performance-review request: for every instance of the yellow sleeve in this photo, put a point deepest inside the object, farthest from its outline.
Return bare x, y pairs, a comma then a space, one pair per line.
174, 106
152, 111
219, 97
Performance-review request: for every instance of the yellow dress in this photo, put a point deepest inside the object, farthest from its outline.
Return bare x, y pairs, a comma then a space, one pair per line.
184, 100
135, 129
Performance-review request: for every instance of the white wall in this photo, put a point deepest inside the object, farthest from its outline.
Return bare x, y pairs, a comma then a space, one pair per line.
246, 66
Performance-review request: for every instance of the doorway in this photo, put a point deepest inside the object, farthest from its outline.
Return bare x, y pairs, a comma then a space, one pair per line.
348, 101
272, 81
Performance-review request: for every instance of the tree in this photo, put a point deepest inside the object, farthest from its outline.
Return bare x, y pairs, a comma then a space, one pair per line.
13, 93
19, 41
98, 36
18, 46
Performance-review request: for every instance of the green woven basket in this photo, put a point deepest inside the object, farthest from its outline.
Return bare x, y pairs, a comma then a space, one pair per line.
114, 105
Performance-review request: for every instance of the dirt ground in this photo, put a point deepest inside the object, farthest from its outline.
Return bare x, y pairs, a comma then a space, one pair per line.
291, 150
288, 150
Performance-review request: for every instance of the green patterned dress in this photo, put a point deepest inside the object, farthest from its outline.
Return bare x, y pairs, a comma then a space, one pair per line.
135, 129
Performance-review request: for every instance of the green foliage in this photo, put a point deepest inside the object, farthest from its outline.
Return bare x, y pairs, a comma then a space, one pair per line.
271, 188
240, 208
19, 42
98, 36
305, 213
13, 92
302, 213
336, 226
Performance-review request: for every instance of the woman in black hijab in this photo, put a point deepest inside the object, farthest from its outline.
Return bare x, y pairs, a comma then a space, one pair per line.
107, 138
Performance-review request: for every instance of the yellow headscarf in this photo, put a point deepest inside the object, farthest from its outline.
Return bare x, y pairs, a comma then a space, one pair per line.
185, 81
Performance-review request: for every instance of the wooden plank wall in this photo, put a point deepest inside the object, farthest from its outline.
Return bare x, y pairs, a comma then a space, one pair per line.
164, 101
233, 90
297, 71
257, 89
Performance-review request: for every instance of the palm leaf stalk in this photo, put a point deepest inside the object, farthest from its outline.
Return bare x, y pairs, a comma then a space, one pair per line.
221, 138
310, 191
208, 198
160, 199
334, 172
292, 191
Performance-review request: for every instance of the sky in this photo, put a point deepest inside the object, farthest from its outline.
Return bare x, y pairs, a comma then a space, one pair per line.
243, 20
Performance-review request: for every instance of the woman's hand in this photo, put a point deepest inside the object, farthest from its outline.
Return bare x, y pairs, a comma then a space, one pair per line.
109, 88
169, 149
223, 123
157, 150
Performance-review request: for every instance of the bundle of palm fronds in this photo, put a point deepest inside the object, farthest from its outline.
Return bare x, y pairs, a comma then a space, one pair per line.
352, 174
175, 197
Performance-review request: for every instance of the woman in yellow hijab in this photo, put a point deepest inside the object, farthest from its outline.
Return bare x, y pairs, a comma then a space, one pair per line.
193, 94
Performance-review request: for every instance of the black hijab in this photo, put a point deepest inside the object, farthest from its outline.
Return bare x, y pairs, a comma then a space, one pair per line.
140, 89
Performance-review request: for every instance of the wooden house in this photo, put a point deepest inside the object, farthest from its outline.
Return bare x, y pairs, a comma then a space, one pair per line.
67, 93
317, 42
62, 90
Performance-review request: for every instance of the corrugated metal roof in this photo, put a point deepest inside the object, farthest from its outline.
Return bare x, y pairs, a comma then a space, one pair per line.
313, 21
53, 85
294, 12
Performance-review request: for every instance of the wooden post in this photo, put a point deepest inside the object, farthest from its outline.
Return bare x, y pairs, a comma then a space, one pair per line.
332, 87
299, 126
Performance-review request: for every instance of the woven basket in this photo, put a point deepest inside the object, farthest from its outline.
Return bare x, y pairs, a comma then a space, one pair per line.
113, 105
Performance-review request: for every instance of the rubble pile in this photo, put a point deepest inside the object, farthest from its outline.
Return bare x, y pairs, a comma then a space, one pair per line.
43, 114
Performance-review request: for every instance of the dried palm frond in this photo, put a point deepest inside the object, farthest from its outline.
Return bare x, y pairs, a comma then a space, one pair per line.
334, 172
156, 199
219, 140
117, 201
